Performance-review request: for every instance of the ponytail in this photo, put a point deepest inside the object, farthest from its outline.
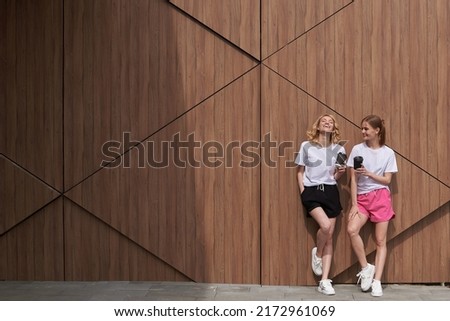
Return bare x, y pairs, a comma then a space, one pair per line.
376, 122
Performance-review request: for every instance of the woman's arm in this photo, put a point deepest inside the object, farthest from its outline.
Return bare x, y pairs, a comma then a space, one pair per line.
353, 193
300, 171
385, 179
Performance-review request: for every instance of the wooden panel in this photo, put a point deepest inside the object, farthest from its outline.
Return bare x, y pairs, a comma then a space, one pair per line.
133, 66
285, 20
287, 113
21, 194
429, 246
203, 219
383, 57
3, 24
31, 87
34, 249
236, 20
439, 82
94, 251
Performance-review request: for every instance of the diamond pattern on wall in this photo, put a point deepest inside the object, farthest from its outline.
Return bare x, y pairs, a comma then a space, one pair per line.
90, 81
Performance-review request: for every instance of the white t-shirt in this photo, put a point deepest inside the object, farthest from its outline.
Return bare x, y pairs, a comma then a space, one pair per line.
378, 161
319, 163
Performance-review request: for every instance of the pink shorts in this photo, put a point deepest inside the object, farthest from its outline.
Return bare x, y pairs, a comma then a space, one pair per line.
376, 205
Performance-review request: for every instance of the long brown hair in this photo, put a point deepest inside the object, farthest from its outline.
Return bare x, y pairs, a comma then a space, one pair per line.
313, 133
376, 122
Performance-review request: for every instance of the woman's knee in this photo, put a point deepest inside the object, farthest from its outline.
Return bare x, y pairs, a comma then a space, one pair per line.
352, 229
327, 228
380, 242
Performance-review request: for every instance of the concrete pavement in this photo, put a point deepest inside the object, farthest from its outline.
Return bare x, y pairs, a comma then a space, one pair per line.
190, 291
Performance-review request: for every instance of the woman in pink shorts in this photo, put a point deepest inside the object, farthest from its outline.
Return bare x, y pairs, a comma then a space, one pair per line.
371, 198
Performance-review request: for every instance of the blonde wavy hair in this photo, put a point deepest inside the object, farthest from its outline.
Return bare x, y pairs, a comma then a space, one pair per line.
313, 133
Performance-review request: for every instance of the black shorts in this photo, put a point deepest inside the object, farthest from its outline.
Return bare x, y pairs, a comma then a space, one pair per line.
324, 196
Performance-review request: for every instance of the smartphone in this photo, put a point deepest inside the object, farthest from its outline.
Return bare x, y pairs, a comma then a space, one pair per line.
341, 159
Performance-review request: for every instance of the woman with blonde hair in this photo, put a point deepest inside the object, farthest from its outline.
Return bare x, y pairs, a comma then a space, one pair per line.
318, 170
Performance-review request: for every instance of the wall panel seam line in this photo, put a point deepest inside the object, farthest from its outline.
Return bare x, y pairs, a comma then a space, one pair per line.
62, 95
29, 216
162, 127
127, 237
63, 18
305, 32
215, 33
30, 173
260, 183
260, 148
260, 30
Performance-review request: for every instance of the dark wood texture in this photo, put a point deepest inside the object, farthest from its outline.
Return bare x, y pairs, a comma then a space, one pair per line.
21, 194
33, 250
31, 87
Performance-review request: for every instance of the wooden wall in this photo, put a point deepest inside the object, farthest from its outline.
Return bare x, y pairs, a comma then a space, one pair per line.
154, 140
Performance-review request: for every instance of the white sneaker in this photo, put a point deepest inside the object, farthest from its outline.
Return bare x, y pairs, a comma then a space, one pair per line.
325, 287
316, 262
377, 290
366, 277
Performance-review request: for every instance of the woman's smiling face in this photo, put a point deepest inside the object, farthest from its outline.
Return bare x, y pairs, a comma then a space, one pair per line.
368, 132
326, 124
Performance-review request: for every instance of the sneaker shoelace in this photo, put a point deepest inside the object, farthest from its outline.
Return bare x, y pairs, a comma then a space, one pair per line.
317, 262
360, 276
326, 283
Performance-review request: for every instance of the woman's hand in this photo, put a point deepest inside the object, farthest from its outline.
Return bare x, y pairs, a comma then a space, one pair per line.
340, 170
363, 171
353, 212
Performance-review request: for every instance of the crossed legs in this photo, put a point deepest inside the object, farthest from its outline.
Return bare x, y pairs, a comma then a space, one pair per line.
324, 239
